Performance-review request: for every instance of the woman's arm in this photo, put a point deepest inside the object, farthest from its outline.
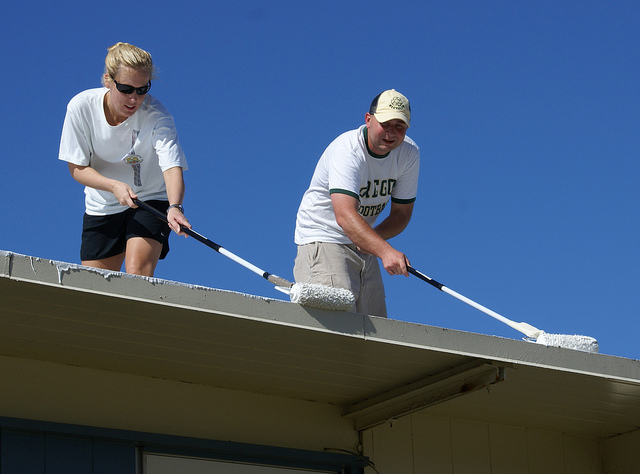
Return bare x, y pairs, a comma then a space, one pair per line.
174, 182
88, 176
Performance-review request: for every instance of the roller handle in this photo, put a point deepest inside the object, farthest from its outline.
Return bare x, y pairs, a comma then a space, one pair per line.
184, 229
276, 280
524, 328
424, 277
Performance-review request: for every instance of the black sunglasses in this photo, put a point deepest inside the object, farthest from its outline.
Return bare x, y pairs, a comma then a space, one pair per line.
125, 89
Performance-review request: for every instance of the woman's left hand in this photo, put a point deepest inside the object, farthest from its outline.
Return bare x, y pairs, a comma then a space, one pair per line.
176, 219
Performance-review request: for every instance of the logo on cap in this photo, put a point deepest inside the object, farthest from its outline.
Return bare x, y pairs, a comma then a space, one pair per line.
396, 103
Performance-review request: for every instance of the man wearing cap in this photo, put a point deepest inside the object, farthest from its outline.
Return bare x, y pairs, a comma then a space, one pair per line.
354, 180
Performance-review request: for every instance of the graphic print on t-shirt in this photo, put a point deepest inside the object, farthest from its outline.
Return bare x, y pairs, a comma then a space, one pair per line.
133, 159
379, 188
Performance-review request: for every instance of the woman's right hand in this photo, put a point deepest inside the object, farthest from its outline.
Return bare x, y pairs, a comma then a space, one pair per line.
88, 176
124, 194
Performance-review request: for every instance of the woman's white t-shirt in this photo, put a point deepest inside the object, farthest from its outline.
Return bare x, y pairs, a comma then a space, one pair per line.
135, 152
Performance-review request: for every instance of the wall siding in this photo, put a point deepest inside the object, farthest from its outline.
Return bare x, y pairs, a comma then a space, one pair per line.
433, 451
418, 444
508, 445
621, 454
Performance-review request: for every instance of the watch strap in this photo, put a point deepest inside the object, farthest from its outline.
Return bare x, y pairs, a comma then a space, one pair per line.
177, 206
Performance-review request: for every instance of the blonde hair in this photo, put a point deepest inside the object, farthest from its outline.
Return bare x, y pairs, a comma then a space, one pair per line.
126, 55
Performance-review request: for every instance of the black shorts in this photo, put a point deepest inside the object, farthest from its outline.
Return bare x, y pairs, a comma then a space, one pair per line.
106, 236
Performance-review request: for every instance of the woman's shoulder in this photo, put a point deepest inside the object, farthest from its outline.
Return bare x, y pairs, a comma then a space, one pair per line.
87, 97
153, 107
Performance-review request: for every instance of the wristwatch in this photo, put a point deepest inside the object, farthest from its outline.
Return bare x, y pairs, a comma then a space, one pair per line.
177, 206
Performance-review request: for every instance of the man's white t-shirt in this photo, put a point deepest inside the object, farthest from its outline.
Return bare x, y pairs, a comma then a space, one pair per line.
347, 166
135, 152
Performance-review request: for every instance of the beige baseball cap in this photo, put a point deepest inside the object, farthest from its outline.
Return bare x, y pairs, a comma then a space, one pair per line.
389, 105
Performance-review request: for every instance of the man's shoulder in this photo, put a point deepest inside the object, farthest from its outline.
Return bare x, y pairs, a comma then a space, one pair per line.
348, 141
349, 136
408, 150
409, 142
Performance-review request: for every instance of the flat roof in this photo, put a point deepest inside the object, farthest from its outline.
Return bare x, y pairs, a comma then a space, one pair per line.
372, 367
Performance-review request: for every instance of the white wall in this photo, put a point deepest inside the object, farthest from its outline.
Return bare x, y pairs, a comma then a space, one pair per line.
420, 443
46, 391
622, 453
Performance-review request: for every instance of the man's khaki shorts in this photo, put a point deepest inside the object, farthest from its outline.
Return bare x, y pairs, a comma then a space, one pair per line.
343, 266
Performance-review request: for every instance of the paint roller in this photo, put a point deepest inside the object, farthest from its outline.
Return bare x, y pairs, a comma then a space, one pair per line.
306, 294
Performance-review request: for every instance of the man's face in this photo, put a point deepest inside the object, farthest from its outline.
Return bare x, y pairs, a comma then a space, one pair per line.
384, 137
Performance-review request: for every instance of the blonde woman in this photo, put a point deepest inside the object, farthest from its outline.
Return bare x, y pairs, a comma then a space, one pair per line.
121, 144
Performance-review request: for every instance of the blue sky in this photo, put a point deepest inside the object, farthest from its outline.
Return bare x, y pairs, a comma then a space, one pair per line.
527, 115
